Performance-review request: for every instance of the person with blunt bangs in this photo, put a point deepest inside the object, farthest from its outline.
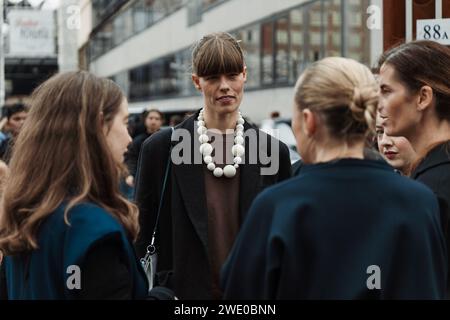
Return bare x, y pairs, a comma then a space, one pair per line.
205, 198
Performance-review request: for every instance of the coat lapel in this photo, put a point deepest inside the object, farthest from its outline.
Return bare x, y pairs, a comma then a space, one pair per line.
190, 180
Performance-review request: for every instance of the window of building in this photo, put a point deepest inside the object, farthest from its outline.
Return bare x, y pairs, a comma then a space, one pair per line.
314, 36
182, 68
297, 48
101, 42
267, 52
122, 27
251, 42
358, 35
277, 50
139, 80
142, 15
122, 81
282, 50
332, 23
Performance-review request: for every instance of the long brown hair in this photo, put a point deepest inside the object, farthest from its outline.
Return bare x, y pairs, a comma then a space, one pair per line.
61, 155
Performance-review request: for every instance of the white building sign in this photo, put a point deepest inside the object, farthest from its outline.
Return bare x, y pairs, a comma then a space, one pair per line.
32, 33
435, 30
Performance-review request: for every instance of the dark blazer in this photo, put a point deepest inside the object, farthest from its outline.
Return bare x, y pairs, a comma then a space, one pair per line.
434, 172
316, 235
132, 154
182, 238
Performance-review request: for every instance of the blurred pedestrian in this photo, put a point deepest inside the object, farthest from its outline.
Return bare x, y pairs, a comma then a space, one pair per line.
153, 120
15, 117
397, 151
346, 227
204, 202
175, 120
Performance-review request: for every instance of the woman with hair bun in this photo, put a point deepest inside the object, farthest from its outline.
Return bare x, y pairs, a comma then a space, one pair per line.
346, 227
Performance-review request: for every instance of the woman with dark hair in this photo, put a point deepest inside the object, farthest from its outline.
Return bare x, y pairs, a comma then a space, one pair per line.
65, 230
346, 227
210, 190
415, 103
397, 151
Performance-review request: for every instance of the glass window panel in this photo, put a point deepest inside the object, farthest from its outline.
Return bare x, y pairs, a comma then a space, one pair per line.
267, 53
119, 29
282, 50
140, 79
314, 34
250, 43
297, 43
358, 43
332, 28
123, 82
142, 14
182, 68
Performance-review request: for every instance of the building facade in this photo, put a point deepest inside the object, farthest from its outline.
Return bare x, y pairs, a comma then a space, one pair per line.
145, 45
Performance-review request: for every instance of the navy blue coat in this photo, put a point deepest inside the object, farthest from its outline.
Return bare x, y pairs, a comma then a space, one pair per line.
61, 246
316, 236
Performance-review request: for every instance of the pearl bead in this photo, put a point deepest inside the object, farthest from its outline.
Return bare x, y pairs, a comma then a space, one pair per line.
239, 140
206, 149
201, 130
208, 159
229, 171
203, 138
238, 150
218, 172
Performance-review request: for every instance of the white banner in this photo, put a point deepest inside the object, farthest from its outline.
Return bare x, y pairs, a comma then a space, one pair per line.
435, 30
32, 33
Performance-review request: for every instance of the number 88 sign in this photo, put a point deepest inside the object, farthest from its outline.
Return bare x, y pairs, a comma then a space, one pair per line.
435, 30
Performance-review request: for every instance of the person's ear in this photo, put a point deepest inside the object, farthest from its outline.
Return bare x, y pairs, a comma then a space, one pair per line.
196, 82
309, 122
425, 98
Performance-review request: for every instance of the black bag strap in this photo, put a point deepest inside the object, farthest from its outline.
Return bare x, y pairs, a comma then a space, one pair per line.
151, 248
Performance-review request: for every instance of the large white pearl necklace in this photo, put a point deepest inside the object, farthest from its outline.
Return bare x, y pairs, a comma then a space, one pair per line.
206, 148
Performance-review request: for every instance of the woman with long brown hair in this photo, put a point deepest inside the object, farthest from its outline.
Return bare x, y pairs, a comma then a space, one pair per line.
415, 103
65, 230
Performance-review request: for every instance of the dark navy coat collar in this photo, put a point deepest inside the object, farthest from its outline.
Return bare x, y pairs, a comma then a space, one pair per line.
439, 155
